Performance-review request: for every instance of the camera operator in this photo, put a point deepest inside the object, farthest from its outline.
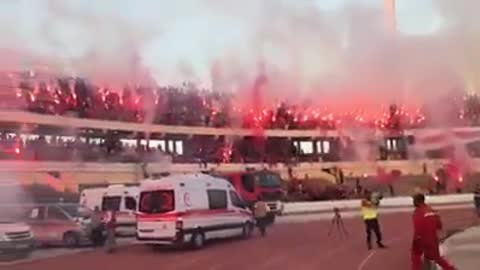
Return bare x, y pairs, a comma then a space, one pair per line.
369, 210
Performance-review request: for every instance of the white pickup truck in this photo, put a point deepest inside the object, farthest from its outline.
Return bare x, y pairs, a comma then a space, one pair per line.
16, 239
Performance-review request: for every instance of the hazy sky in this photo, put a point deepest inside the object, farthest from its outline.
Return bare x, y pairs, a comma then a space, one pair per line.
31, 17
306, 44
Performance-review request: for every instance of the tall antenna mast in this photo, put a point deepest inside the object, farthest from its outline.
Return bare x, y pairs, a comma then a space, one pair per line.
390, 17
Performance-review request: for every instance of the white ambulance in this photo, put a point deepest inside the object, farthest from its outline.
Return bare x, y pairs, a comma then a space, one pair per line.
123, 199
92, 197
190, 209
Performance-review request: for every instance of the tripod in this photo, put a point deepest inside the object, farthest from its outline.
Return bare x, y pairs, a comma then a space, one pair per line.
337, 224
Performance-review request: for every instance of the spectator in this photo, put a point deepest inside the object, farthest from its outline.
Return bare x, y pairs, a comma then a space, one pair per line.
426, 223
477, 199
369, 209
97, 228
110, 225
260, 212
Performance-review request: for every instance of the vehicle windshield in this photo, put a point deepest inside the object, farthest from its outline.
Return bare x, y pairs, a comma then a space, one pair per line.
111, 203
158, 201
76, 210
268, 180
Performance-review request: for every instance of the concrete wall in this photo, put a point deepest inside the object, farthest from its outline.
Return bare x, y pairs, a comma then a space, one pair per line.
71, 174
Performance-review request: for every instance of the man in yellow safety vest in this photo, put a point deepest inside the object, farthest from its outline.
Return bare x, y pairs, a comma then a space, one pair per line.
369, 209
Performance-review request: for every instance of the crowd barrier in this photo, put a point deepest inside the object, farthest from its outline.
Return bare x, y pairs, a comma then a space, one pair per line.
350, 205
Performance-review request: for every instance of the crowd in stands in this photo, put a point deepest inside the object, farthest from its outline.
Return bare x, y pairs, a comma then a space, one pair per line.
187, 105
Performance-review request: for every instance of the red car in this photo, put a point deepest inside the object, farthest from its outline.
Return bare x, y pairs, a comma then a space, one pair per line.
59, 224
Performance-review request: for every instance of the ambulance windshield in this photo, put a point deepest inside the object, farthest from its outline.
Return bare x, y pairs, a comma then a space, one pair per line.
158, 201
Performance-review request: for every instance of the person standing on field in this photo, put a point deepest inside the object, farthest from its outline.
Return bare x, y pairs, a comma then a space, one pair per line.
110, 224
369, 209
426, 243
476, 200
260, 213
96, 227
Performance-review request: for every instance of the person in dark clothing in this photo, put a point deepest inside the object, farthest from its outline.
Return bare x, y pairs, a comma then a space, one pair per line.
110, 224
97, 228
476, 200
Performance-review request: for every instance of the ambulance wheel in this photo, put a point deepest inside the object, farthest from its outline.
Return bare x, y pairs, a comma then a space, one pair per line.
247, 230
198, 240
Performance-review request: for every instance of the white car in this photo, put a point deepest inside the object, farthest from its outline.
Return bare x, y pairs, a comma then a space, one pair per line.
15, 238
190, 209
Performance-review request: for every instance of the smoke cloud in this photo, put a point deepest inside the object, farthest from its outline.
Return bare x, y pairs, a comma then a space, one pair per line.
11, 193
320, 51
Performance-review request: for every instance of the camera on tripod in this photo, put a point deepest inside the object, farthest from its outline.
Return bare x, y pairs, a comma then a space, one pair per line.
337, 224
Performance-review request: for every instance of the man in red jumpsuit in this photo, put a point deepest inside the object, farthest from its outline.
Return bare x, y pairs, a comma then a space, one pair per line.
426, 224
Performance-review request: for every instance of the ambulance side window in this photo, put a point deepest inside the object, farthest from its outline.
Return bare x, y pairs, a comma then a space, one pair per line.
217, 199
130, 203
111, 203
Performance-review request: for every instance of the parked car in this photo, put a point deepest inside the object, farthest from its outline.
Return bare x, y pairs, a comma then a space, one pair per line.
60, 224
16, 239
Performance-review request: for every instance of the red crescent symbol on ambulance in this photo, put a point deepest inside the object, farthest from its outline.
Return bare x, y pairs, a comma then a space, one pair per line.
186, 199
